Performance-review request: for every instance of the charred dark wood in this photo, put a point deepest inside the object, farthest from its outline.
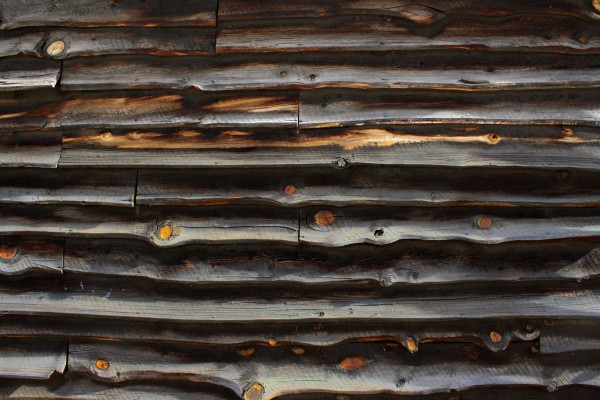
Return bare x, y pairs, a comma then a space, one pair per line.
30, 256
40, 150
24, 73
32, 358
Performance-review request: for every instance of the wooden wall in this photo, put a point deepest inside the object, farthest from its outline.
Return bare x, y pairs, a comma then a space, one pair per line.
342, 200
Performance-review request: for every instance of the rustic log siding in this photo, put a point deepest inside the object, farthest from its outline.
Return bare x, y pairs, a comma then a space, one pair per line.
348, 200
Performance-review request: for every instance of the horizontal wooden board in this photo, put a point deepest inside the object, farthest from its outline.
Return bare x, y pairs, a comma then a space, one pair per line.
295, 336
24, 73
15, 14
367, 70
402, 265
342, 227
319, 109
362, 368
367, 185
34, 149
518, 32
570, 337
107, 41
85, 187
555, 147
162, 227
31, 256
33, 110
428, 11
32, 358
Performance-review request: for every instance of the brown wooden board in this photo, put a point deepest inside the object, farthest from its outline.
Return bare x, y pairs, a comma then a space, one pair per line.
475, 71
85, 13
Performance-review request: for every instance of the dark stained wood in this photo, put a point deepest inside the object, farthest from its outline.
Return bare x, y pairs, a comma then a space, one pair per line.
32, 358
38, 150
518, 32
403, 265
367, 70
365, 185
15, 14
226, 225
30, 256
86, 187
569, 337
23, 73
107, 41
35, 110
369, 368
428, 11
555, 147
320, 109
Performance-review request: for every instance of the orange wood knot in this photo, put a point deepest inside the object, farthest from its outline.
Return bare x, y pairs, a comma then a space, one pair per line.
249, 352
596, 5
102, 364
324, 218
272, 342
165, 231
55, 48
352, 363
254, 392
106, 136
495, 337
493, 137
7, 252
484, 222
297, 350
411, 344
289, 190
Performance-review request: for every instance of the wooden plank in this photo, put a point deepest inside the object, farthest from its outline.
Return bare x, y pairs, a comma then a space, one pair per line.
555, 147
23, 256
85, 187
32, 358
35, 110
24, 73
106, 41
78, 13
425, 12
400, 266
365, 185
367, 70
294, 335
320, 109
342, 227
162, 227
355, 368
518, 32
79, 388
31, 149
109, 301
569, 337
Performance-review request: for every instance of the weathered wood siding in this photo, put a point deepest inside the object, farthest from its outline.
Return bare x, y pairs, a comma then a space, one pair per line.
342, 200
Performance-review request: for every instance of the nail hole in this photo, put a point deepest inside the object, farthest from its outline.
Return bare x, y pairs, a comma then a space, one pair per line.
378, 232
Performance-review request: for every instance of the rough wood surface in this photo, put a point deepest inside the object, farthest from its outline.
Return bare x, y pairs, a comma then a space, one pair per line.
476, 71
16, 14
32, 359
24, 73
30, 256
38, 150
363, 368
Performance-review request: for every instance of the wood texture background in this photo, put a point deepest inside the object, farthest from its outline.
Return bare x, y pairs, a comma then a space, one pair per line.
325, 200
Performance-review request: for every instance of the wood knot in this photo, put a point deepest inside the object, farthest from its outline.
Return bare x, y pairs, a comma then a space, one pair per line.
7, 252
493, 137
254, 392
106, 136
55, 48
249, 352
495, 337
352, 363
484, 222
272, 342
596, 5
289, 190
297, 350
165, 232
411, 344
324, 218
102, 364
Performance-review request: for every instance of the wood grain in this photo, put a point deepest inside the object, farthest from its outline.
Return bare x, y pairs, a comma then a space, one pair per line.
35, 110
379, 371
32, 359
85, 13
85, 187
471, 71
37, 150
25, 73
30, 256
366, 185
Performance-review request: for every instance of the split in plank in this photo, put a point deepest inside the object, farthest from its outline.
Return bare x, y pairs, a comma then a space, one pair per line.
32, 358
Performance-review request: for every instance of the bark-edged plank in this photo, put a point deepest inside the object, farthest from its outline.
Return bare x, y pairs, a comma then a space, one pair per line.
31, 149
23, 73
86, 13
32, 358
85, 187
